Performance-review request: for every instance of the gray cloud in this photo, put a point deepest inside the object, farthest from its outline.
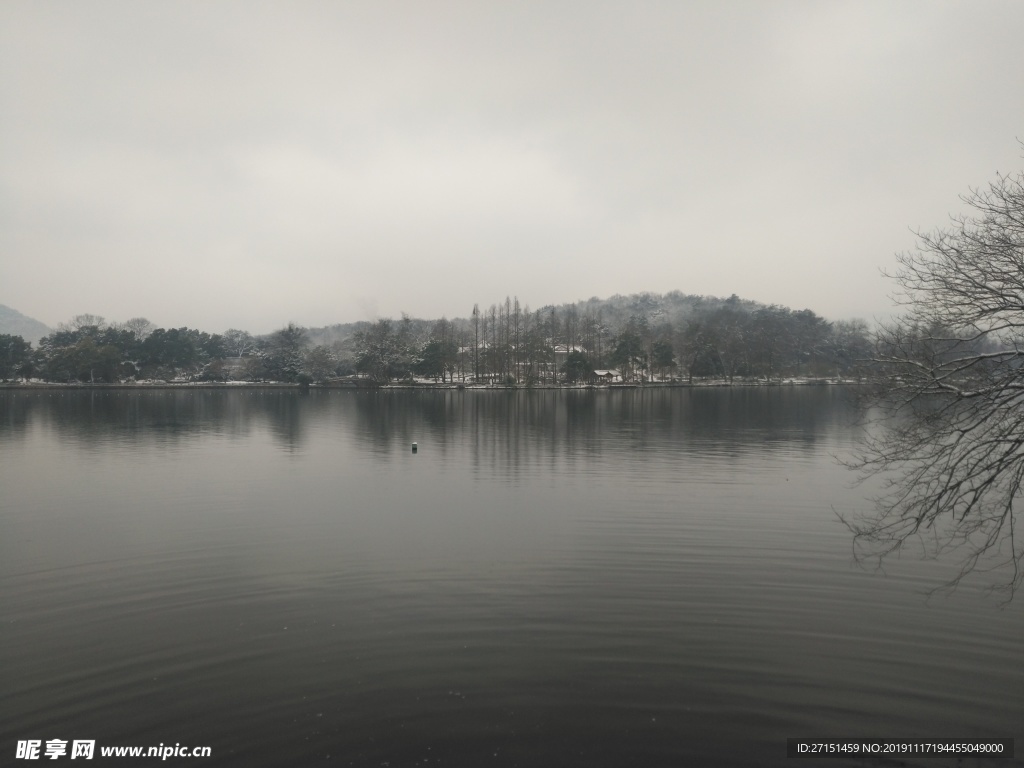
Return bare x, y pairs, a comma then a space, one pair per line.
245, 164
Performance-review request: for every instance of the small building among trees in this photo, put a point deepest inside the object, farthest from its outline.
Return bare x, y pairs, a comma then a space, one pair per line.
607, 377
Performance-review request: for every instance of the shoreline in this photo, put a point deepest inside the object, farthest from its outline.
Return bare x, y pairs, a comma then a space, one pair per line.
370, 387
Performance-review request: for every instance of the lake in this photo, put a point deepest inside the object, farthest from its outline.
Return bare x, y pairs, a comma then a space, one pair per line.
555, 578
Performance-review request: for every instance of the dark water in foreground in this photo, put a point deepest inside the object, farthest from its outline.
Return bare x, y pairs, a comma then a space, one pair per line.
555, 579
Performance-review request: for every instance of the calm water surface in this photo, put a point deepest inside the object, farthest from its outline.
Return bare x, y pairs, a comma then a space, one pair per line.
555, 579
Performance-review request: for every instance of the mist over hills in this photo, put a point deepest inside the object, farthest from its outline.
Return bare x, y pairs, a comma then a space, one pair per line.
14, 323
674, 307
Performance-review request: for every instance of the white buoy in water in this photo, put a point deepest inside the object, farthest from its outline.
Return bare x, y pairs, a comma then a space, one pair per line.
414, 447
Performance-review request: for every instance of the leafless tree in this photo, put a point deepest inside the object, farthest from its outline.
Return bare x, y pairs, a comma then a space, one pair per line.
139, 327
87, 320
476, 343
238, 343
948, 387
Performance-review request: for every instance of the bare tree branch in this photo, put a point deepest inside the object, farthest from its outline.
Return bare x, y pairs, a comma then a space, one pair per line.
947, 391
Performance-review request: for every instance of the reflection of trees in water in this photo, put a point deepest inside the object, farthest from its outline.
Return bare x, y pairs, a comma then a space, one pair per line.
166, 417
391, 418
283, 411
94, 416
752, 418
952, 472
15, 413
506, 430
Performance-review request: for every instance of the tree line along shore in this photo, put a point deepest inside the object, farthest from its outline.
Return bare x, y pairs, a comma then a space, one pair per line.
644, 339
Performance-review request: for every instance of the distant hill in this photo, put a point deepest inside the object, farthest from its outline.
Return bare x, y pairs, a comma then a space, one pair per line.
16, 324
674, 307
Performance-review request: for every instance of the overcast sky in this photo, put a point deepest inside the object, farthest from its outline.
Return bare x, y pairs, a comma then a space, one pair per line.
245, 164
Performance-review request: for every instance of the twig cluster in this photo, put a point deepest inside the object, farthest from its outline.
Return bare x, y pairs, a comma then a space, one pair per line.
948, 387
